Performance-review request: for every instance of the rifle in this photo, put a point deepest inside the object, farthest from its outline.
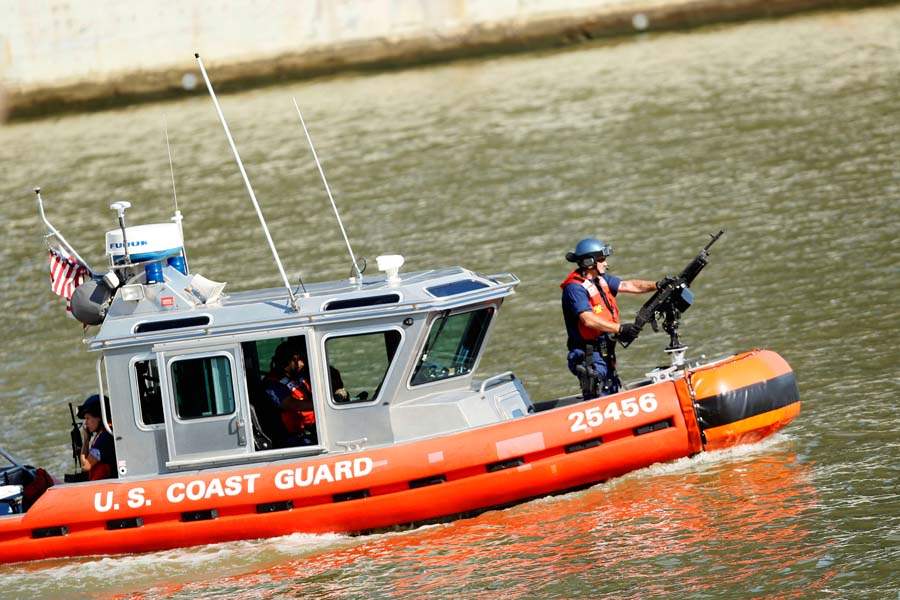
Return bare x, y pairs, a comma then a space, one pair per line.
75, 434
674, 297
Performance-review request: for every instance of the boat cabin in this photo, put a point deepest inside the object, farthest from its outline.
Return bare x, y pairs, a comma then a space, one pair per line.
390, 359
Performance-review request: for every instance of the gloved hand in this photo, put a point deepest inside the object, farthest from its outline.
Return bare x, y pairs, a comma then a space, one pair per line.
667, 280
628, 332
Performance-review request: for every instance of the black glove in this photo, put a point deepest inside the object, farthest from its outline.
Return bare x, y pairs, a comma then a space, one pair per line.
665, 281
628, 333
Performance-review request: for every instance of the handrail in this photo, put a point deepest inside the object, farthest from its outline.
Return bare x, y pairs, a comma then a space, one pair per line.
417, 303
12, 459
353, 445
103, 416
510, 278
55, 232
493, 379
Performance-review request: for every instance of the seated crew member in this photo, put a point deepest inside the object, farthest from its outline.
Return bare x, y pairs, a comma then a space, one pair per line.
592, 314
98, 450
290, 397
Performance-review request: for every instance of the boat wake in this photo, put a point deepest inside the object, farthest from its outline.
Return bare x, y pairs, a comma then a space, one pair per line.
55, 578
704, 462
708, 460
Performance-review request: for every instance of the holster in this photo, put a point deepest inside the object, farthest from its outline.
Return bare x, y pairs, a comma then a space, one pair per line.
592, 385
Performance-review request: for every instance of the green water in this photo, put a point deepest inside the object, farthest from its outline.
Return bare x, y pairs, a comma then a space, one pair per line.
786, 133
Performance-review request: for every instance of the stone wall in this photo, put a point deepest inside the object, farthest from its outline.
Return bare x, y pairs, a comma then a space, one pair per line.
58, 55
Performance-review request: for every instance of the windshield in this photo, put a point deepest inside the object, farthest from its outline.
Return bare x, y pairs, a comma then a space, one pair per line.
453, 346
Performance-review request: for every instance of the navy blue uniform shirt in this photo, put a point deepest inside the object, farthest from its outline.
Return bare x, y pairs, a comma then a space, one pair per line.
104, 450
576, 300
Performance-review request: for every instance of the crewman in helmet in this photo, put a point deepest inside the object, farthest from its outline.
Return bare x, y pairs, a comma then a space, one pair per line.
98, 450
592, 316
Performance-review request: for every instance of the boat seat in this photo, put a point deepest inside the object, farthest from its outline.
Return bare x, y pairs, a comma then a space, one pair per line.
262, 440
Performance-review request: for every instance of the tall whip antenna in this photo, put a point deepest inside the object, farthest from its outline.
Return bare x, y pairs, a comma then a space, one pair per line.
171, 164
177, 218
328, 190
237, 158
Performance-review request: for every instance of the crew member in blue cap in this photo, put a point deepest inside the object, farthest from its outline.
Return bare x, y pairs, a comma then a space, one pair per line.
592, 315
98, 450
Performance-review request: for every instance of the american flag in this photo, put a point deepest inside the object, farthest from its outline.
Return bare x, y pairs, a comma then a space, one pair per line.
66, 274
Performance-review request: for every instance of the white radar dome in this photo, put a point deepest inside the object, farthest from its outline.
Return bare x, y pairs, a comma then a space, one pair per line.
145, 242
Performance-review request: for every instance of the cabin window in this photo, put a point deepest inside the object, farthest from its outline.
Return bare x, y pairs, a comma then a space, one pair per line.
364, 301
358, 364
148, 392
202, 387
452, 347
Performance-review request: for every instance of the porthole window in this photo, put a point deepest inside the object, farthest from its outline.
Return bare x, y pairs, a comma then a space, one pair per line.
149, 394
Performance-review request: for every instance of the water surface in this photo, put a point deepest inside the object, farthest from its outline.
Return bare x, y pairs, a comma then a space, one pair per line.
786, 133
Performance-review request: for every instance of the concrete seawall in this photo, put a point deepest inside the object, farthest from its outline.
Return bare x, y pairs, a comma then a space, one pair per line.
65, 55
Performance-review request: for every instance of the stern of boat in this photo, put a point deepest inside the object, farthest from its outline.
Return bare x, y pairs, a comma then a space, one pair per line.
744, 398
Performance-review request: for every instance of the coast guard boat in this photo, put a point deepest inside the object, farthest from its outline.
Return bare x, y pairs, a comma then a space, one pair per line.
404, 433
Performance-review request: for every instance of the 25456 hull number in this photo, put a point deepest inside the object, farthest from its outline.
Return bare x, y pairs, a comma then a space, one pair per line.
583, 420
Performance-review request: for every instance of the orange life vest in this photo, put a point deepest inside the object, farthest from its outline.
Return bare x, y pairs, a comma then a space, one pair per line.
295, 421
603, 303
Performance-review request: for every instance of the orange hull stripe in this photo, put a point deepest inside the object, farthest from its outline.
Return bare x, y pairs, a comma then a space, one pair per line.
751, 429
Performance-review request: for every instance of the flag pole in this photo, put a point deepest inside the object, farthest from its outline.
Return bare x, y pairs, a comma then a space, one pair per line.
55, 232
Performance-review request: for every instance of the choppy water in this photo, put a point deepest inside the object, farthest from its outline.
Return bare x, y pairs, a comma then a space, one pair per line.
786, 133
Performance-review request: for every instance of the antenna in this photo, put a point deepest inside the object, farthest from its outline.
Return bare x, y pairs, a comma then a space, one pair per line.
177, 218
328, 190
237, 158
171, 165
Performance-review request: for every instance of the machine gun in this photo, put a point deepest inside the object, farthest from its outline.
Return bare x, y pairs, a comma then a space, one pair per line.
673, 298
75, 435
